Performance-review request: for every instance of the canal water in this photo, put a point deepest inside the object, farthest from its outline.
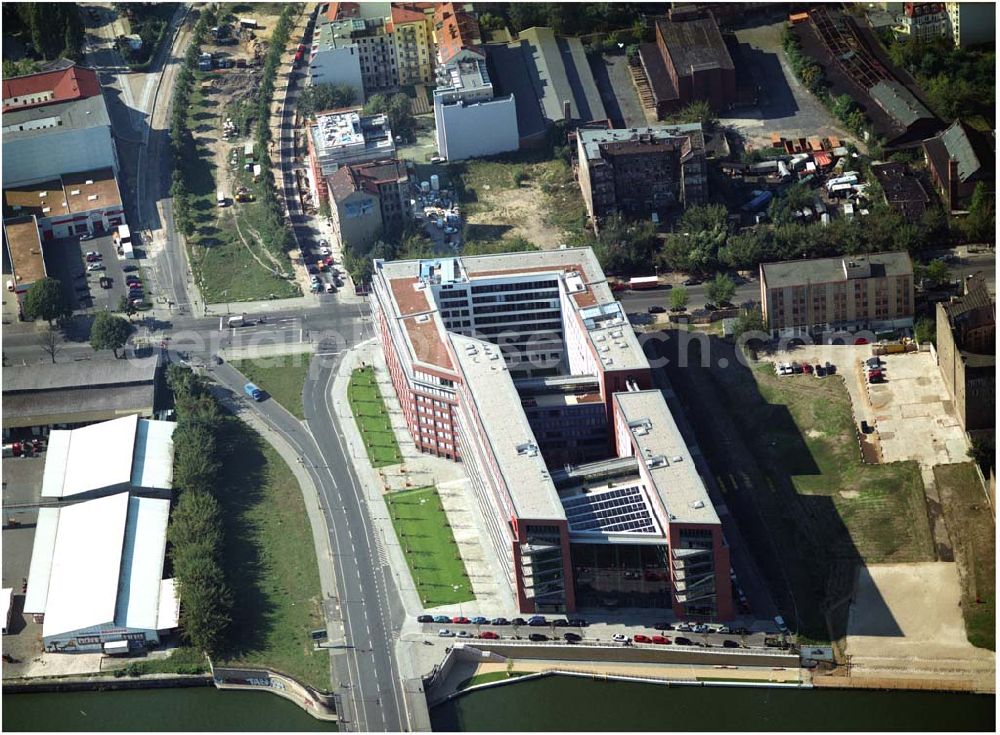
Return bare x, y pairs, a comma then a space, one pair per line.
554, 703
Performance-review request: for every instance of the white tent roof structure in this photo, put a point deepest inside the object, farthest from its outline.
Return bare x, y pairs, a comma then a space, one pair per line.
98, 564
169, 613
110, 456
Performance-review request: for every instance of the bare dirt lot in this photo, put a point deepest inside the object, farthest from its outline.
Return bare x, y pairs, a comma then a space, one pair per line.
518, 213
889, 634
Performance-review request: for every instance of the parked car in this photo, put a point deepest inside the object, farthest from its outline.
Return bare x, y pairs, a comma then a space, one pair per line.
662, 626
572, 637
730, 643
489, 635
479, 620
324, 250
129, 267
830, 368
685, 628
692, 281
661, 640
560, 623
701, 628
86, 236
445, 633
620, 638
873, 363
656, 309
780, 622
537, 637
460, 620
465, 634
533, 618
866, 428
425, 618
641, 638
105, 282
92, 255
254, 392
577, 623
820, 371
518, 621
683, 641
536, 623
807, 368
442, 619
499, 621
796, 368
95, 267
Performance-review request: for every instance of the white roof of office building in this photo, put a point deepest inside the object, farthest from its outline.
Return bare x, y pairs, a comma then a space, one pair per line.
513, 442
607, 327
665, 453
109, 455
592, 138
99, 563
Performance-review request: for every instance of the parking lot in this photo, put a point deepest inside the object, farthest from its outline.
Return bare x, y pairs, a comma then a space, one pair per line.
65, 259
913, 412
599, 633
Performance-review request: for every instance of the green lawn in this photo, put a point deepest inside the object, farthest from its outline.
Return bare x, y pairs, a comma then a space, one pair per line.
430, 547
282, 377
270, 561
184, 660
824, 510
972, 531
223, 267
372, 418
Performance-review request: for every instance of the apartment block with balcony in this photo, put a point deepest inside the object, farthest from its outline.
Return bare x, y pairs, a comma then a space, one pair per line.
366, 201
524, 367
924, 22
413, 35
848, 293
368, 26
640, 171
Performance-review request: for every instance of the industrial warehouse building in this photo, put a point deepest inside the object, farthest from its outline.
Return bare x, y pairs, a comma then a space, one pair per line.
589, 492
53, 122
95, 582
68, 204
65, 395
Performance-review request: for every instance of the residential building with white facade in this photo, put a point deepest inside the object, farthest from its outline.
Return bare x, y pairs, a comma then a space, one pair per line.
346, 136
469, 121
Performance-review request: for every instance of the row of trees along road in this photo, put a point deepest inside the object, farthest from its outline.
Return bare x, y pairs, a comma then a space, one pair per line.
195, 530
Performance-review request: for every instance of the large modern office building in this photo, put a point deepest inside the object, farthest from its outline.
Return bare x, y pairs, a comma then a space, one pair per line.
525, 368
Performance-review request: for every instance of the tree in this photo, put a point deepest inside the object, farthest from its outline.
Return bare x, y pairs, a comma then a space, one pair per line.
925, 330
679, 298
52, 341
979, 225
109, 332
749, 321
397, 108
983, 451
125, 307
326, 96
698, 111
46, 300
720, 289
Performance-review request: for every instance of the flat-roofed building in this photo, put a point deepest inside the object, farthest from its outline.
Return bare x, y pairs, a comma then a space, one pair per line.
369, 27
490, 357
347, 136
639, 171
69, 394
469, 120
24, 253
70, 204
846, 293
335, 58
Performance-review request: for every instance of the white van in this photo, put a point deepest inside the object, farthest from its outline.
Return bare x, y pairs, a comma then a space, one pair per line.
236, 321
220, 198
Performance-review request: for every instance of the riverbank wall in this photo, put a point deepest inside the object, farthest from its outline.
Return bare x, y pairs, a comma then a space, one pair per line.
105, 683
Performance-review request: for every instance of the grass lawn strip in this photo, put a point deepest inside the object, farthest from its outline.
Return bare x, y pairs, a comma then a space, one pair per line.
429, 546
972, 531
372, 418
270, 561
282, 377
224, 269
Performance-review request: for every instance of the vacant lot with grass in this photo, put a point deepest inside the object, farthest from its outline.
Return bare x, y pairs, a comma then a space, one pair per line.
270, 561
972, 530
282, 377
372, 418
225, 268
523, 196
430, 547
785, 454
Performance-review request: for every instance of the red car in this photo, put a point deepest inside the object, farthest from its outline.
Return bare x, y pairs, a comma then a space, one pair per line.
807, 368
460, 621
661, 639
489, 635
642, 638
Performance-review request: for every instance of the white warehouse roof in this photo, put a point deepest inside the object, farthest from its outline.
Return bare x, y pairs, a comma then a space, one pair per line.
98, 564
110, 456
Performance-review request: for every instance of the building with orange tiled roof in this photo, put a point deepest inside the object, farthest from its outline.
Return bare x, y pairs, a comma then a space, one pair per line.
455, 29
525, 368
366, 200
368, 29
413, 32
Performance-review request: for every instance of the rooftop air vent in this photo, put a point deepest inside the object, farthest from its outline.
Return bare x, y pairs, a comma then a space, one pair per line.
89, 181
92, 198
74, 192
423, 318
42, 194
698, 504
677, 459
